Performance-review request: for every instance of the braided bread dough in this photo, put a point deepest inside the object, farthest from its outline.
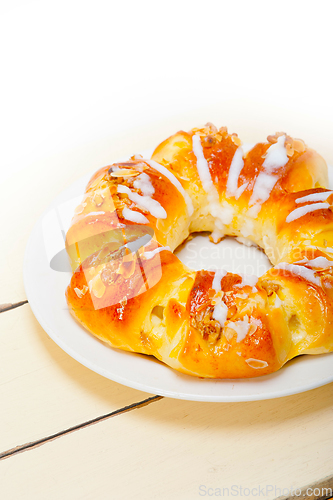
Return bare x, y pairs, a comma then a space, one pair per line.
132, 292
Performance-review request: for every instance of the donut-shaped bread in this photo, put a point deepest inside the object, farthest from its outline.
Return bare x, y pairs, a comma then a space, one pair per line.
130, 290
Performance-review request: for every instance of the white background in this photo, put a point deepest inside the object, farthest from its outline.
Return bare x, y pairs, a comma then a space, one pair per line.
74, 73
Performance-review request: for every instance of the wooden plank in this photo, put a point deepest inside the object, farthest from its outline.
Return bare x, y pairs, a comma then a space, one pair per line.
38, 442
43, 390
180, 449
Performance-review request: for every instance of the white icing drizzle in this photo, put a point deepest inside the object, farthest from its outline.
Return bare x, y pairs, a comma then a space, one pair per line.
235, 169
303, 272
261, 191
93, 213
216, 235
220, 313
164, 171
241, 327
314, 197
317, 263
240, 190
150, 255
202, 165
134, 216
219, 274
276, 155
153, 206
276, 158
223, 214
301, 211
143, 183
256, 363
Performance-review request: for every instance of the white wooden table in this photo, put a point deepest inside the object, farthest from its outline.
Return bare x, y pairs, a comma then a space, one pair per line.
84, 83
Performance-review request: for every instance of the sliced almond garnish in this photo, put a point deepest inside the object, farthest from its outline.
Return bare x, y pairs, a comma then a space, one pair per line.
289, 149
252, 328
124, 172
81, 292
236, 140
299, 145
273, 138
211, 126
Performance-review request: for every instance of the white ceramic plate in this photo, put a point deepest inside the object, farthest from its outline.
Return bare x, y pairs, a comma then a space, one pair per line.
45, 290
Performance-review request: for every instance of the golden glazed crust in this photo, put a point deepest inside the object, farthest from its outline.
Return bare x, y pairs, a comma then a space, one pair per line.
132, 292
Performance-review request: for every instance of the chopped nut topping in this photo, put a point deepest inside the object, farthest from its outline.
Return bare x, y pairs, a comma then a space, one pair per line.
206, 325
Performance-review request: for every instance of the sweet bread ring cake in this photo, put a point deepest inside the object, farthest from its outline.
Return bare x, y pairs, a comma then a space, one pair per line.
131, 291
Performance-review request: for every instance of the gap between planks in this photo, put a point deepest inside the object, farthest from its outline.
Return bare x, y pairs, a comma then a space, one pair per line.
324, 488
39, 442
9, 307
